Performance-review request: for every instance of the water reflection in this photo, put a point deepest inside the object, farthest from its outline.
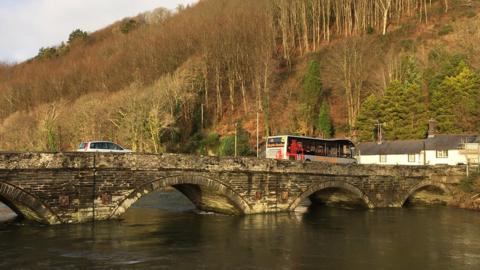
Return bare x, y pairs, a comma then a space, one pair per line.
163, 231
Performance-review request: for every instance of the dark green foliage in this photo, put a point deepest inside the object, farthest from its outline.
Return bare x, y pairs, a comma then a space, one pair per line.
441, 65
470, 183
407, 45
52, 52
403, 107
47, 53
402, 110
324, 123
52, 138
370, 30
367, 119
227, 144
77, 35
445, 30
452, 82
128, 25
311, 93
455, 102
203, 144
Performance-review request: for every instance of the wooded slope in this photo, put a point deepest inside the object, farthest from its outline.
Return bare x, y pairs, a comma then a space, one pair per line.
307, 66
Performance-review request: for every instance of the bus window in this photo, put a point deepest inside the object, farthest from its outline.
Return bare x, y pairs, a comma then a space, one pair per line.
332, 149
309, 147
320, 150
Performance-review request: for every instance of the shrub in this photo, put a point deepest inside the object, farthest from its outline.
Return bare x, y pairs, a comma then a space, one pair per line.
204, 144
445, 30
77, 35
469, 184
407, 44
227, 144
370, 30
128, 25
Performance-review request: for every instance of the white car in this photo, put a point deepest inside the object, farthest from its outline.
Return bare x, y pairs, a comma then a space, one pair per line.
102, 146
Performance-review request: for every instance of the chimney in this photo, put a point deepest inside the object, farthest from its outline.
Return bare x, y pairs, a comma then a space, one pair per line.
432, 128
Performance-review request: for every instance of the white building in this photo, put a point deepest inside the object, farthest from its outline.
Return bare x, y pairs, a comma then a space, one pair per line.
435, 150
471, 150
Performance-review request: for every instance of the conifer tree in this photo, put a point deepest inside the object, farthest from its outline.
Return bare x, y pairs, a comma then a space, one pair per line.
455, 103
403, 108
311, 94
367, 119
324, 122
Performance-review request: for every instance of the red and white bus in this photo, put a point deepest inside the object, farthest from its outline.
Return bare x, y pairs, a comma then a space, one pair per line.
310, 149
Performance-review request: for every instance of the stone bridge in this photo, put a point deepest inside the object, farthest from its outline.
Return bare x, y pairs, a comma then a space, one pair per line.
60, 188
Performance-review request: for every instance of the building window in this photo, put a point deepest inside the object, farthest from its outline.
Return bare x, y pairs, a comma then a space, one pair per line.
442, 153
411, 158
383, 158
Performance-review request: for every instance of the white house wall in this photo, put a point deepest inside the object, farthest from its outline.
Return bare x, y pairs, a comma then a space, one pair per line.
454, 158
391, 160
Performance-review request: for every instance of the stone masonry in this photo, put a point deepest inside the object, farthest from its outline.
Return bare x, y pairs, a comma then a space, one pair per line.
62, 188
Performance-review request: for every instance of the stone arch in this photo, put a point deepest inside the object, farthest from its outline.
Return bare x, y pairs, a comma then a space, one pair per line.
236, 199
424, 184
27, 205
331, 184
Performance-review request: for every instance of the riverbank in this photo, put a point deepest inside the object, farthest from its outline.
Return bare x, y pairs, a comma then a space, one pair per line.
469, 201
467, 194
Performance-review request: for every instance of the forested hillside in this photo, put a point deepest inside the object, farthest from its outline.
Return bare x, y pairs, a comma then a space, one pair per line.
180, 81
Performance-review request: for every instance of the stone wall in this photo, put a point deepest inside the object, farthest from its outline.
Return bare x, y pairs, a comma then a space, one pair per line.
81, 187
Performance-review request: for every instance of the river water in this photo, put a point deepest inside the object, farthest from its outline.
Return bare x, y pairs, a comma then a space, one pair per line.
163, 232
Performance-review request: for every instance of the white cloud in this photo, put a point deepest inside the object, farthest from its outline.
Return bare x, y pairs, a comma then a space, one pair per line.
27, 25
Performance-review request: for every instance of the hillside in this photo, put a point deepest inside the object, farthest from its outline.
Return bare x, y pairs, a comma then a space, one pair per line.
310, 67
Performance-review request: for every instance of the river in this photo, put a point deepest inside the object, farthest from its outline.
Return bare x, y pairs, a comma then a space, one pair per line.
162, 231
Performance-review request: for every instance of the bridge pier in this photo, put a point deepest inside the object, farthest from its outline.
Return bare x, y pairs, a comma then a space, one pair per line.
60, 188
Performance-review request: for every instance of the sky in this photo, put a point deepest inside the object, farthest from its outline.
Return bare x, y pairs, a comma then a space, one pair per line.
28, 25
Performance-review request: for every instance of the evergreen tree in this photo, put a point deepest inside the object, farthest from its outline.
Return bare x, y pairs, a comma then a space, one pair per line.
311, 94
392, 111
324, 122
77, 35
455, 103
367, 119
403, 107
441, 65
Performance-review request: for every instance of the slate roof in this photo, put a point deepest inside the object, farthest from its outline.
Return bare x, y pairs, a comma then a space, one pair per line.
391, 147
438, 142
448, 142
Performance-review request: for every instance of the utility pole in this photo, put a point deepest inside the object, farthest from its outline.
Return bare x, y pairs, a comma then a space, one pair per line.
379, 131
201, 108
236, 124
258, 153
